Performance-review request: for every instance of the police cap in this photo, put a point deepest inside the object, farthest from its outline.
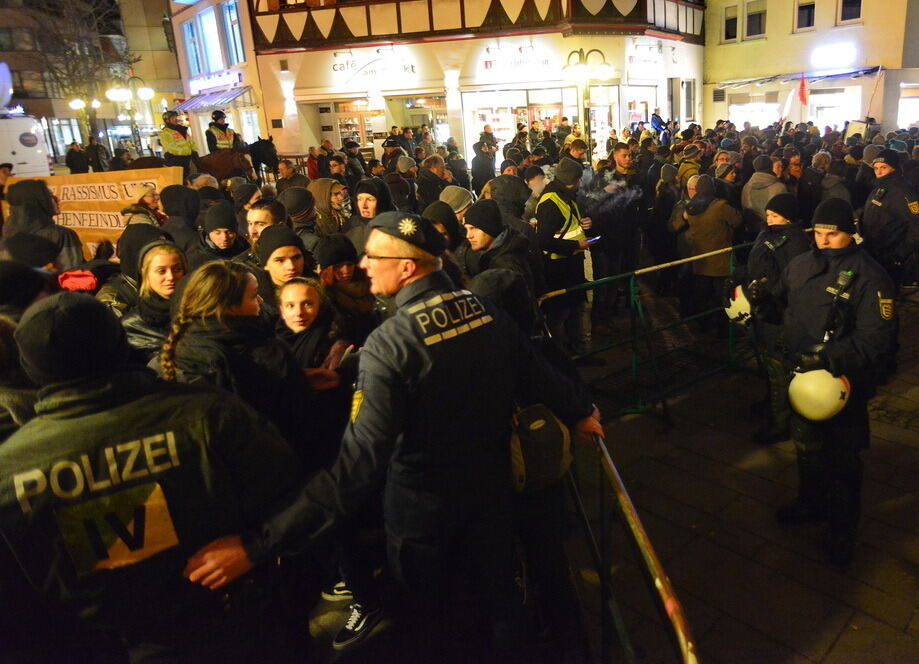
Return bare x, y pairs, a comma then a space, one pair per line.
411, 228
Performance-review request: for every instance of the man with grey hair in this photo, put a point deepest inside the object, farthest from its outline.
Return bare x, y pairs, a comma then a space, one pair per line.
203, 180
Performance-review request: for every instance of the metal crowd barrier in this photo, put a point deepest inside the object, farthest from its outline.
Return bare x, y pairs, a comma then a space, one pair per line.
641, 334
612, 625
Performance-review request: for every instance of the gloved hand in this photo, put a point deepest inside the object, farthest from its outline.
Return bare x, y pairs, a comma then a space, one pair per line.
756, 290
728, 293
810, 361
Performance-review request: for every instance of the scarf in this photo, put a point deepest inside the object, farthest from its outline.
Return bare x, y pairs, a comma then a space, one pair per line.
154, 310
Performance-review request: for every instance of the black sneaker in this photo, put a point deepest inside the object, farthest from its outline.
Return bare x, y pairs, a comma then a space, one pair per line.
359, 626
338, 592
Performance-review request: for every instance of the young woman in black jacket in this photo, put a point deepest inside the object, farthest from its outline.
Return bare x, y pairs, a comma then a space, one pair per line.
218, 337
161, 265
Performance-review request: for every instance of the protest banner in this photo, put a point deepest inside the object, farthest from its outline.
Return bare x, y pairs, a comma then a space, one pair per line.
91, 203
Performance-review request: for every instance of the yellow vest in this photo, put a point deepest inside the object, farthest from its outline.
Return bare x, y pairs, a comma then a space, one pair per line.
224, 137
172, 141
571, 229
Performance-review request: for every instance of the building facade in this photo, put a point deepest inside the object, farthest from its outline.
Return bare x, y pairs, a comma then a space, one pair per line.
856, 58
352, 70
214, 47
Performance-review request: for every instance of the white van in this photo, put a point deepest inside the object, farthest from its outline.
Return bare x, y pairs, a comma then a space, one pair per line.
22, 138
22, 143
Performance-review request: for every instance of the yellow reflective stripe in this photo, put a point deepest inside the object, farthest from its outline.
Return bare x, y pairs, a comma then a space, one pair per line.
224, 138
572, 229
174, 143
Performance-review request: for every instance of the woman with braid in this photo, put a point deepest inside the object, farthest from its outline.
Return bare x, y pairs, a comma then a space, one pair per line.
217, 337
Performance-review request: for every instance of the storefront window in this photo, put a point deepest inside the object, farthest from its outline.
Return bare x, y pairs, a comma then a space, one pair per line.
504, 109
833, 107
64, 131
640, 101
211, 34
758, 114
604, 115
249, 125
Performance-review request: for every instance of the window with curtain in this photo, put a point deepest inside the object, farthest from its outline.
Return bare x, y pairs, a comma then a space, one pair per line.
730, 23
756, 19
806, 14
235, 51
850, 10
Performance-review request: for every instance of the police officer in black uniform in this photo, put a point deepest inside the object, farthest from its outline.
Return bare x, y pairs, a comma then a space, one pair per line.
782, 239
839, 317
444, 469
121, 476
890, 221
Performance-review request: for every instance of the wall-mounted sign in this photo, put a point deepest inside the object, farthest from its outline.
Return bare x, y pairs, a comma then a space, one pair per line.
386, 66
220, 79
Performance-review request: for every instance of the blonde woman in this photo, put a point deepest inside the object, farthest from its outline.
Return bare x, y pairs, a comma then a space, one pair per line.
161, 266
217, 337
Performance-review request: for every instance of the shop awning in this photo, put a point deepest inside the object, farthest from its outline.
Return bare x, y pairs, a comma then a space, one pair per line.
811, 77
212, 100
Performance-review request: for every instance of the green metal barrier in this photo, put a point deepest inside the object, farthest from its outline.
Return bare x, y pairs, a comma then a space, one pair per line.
641, 334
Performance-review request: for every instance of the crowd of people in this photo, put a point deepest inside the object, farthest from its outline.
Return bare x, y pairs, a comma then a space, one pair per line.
274, 392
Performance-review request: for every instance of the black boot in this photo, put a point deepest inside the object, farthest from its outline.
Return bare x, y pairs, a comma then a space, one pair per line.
810, 505
844, 507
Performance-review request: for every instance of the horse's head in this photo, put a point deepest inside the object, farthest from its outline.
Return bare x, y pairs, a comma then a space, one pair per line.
263, 151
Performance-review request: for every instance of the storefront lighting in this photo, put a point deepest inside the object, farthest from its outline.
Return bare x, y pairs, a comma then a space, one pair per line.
95, 103
145, 93
361, 103
582, 70
833, 56
77, 104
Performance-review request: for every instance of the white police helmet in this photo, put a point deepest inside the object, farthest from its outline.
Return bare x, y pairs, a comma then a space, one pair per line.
739, 310
818, 395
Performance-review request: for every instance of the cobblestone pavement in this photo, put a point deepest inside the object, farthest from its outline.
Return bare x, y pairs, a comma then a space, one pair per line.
754, 591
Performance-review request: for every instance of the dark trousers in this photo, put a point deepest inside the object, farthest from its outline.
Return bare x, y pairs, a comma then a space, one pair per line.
179, 160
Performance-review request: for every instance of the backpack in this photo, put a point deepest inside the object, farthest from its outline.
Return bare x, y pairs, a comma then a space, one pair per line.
540, 449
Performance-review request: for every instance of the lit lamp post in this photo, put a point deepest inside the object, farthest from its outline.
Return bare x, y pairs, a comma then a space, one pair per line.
584, 72
134, 89
87, 117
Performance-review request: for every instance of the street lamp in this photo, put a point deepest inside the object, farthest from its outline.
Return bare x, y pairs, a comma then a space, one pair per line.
583, 71
132, 89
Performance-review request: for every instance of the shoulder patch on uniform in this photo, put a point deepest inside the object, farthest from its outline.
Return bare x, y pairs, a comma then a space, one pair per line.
913, 207
356, 402
886, 306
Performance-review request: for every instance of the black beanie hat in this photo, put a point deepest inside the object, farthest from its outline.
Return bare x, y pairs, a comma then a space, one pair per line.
210, 194
485, 215
221, 215
19, 284
506, 163
532, 172
366, 186
33, 250
835, 214
762, 164
568, 171
786, 205
242, 194
334, 249
179, 201
70, 336
275, 237
441, 213
297, 200
889, 157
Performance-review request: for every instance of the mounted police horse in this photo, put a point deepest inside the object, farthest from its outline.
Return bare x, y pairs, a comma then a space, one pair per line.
264, 157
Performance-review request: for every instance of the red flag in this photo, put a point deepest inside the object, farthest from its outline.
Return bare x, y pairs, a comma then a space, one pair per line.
802, 91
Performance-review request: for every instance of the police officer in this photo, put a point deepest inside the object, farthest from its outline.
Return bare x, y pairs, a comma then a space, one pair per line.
890, 221
121, 477
219, 135
840, 317
782, 239
178, 146
445, 473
